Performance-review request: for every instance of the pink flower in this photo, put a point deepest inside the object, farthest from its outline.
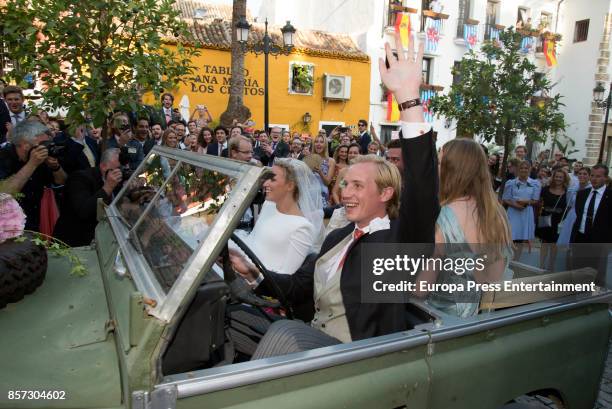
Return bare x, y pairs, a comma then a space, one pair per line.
12, 218
472, 40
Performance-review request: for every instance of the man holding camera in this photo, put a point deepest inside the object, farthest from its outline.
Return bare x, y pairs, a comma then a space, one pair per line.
26, 167
132, 152
78, 219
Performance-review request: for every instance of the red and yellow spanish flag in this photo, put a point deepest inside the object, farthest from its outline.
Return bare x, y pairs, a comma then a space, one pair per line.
402, 26
549, 52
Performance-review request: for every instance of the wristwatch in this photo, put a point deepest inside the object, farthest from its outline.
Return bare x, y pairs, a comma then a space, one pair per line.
409, 104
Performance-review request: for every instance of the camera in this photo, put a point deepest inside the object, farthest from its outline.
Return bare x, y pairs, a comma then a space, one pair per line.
124, 161
125, 127
55, 149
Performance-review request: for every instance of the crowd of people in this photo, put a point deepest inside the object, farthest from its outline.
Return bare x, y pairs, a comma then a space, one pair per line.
388, 193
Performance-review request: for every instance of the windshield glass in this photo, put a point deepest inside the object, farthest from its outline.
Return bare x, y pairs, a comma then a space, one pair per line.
170, 207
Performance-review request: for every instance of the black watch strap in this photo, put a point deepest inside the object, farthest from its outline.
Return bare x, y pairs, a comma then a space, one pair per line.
409, 104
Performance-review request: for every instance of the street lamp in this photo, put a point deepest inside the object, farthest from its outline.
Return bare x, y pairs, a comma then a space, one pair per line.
306, 118
598, 96
266, 47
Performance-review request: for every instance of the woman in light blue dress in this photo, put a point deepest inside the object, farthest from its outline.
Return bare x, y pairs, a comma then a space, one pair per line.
471, 225
520, 195
567, 224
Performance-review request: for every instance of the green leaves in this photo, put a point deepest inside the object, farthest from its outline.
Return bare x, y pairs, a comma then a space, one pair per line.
93, 53
493, 97
57, 248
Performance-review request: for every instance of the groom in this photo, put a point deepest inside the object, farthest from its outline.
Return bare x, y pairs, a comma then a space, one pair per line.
371, 197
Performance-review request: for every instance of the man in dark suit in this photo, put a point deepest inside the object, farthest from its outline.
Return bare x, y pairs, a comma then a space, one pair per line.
77, 223
371, 199
279, 147
167, 113
593, 225
364, 136
13, 101
296, 149
80, 152
219, 147
5, 116
263, 151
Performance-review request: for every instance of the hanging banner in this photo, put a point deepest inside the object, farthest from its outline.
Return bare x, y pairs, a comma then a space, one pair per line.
426, 95
432, 34
470, 35
393, 113
550, 52
527, 44
402, 26
494, 36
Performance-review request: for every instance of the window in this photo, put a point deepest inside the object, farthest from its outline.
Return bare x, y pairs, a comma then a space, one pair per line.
581, 31
6, 64
464, 13
456, 75
522, 19
391, 12
545, 20
426, 70
386, 132
492, 13
301, 78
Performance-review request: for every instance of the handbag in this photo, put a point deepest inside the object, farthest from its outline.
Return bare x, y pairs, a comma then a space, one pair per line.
49, 212
546, 221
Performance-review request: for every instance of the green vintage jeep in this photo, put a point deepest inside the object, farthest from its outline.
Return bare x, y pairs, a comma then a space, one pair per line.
146, 327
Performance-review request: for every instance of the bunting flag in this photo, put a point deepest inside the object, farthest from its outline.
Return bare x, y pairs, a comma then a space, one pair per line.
432, 34
402, 26
494, 36
426, 95
470, 35
393, 113
527, 44
549, 52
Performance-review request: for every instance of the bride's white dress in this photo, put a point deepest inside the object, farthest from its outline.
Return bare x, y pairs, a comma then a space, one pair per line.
279, 240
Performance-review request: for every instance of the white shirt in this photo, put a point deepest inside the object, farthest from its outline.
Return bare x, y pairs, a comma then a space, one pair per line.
600, 193
332, 266
16, 118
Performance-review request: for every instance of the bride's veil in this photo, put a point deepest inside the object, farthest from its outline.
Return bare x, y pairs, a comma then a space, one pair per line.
310, 199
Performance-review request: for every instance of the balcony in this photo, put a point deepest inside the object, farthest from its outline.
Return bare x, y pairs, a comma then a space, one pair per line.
547, 35
492, 31
394, 8
437, 19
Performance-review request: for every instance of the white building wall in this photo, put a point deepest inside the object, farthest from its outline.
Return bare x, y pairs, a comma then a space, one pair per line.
363, 19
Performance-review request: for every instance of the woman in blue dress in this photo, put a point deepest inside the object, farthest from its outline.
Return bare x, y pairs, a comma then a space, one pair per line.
520, 195
471, 225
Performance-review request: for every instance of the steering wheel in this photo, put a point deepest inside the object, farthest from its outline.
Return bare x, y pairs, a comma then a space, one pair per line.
278, 293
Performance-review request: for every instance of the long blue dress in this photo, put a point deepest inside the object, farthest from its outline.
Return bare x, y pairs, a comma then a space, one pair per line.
463, 303
522, 222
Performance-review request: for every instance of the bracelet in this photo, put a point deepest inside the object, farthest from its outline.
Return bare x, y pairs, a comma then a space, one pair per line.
409, 104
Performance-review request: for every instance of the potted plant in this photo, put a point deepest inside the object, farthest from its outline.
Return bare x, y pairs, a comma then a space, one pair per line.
302, 81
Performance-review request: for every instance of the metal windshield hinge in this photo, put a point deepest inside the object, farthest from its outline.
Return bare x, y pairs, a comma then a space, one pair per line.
160, 398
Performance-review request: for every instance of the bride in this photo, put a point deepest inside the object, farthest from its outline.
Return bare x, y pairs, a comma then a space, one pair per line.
290, 225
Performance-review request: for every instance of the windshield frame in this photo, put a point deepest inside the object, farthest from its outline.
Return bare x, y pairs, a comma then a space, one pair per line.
201, 260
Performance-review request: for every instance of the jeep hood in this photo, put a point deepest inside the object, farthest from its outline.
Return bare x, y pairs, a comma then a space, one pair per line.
55, 339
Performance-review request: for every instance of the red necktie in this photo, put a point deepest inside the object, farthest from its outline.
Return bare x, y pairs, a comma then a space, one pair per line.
356, 236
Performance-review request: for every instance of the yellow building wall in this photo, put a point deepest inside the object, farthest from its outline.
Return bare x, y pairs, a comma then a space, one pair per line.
210, 87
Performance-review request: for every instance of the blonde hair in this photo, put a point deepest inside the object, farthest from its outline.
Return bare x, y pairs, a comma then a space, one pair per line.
325, 153
464, 173
387, 175
566, 178
290, 176
165, 135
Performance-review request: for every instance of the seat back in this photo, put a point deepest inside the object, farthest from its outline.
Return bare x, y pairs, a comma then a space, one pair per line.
200, 333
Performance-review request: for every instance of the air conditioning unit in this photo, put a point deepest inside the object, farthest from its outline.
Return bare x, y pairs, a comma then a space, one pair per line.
337, 87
